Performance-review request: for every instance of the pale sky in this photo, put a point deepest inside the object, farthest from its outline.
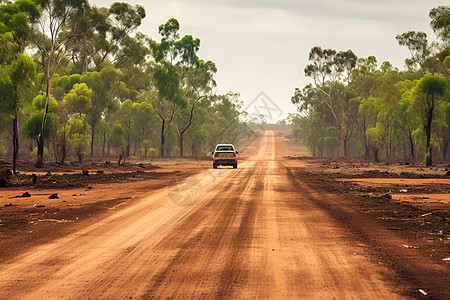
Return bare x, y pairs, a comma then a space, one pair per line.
261, 47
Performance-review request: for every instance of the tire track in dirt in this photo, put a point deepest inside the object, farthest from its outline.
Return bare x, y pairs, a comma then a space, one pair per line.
411, 268
205, 256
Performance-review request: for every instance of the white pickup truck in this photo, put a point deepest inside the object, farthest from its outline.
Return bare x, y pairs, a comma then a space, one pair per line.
225, 155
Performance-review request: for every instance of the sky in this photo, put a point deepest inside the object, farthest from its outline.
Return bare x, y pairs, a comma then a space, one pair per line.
261, 47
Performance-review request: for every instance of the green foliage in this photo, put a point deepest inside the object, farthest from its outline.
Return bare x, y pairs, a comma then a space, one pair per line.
117, 136
32, 128
3, 150
17, 17
168, 84
433, 84
39, 103
34, 153
6, 91
376, 135
428, 97
420, 137
331, 131
152, 152
440, 22
78, 100
330, 143
78, 138
417, 43
175, 150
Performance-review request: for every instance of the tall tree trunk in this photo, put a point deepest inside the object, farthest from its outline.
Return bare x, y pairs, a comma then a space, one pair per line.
345, 148
411, 145
341, 143
428, 149
64, 152
92, 139
15, 144
162, 138
41, 139
429, 159
445, 149
375, 154
366, 144
428, 153
181, 143
104, 144
180, 135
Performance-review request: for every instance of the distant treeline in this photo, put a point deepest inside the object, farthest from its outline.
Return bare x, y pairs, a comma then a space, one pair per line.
358, 108
264, 126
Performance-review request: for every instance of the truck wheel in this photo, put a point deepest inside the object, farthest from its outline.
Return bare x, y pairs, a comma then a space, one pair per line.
235, 166
214, 166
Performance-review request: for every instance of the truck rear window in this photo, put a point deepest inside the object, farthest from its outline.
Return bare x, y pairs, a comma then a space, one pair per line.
224, 148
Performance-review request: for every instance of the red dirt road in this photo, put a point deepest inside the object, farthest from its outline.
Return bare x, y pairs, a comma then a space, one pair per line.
253, 232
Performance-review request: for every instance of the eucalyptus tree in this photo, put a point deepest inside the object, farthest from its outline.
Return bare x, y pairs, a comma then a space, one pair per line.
197, 83
368, 112
107, 91
145, 126
305, 99
117, 140
429, 102
329, 69
78, 100
309, 105
72, 127
364, 76
417, 44
134, 65
199, 132
33, 125
170, 53
61, 23
15, 83
225, 113
79, 136
117, 44
125, 116
406, 119
387, 91
440, 23
445, 133
110, 40
17, 70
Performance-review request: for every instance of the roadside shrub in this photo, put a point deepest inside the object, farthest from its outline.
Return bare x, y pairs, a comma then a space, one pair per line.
152, 152
331, 145
3, 149
176, 150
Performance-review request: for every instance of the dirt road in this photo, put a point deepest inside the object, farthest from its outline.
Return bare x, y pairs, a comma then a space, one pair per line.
253, 232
